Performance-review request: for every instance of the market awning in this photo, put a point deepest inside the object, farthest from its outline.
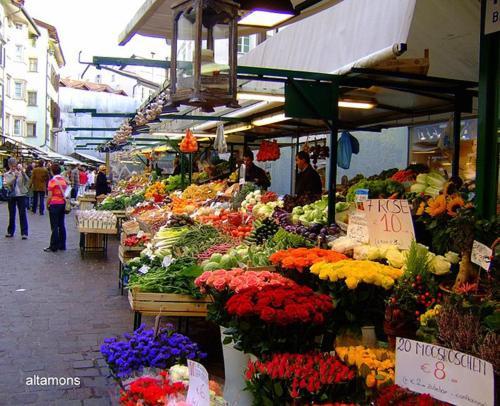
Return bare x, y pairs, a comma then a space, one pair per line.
154, 18
88, 157
353, 30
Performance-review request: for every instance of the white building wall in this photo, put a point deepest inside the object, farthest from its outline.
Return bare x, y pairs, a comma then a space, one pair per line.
70, 99
21, 77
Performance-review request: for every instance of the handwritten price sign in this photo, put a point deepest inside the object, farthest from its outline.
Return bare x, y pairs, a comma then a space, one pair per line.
198, 392
445, 374
389, 222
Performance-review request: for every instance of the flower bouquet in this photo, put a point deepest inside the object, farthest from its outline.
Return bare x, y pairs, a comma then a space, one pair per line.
295, 263
301, 379
414, 293
222, 284
277, 319
142, 349
164, 388
358, 288
374, 365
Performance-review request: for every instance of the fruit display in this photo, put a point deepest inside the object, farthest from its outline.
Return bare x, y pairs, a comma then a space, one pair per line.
136, 240
183, 206
156, 192
268, 151
203, 192
429, 184
188, 145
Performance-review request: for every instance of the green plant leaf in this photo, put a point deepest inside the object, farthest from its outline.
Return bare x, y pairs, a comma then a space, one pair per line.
227, 340
278, 389
493, 321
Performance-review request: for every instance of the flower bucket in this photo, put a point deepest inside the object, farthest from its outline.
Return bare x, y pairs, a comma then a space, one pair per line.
235, 364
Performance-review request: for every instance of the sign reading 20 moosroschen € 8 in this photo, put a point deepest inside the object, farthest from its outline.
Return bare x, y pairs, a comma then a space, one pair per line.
445, 374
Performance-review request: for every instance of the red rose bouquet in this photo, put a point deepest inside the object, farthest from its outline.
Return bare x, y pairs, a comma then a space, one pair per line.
222, 284
150, 391
304, 378
277, 319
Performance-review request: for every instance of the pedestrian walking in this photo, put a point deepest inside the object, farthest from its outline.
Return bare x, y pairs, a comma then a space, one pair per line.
91, 178
56, 204
39, 179
16, 181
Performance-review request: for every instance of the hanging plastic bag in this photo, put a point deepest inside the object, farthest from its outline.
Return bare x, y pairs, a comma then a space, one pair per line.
344, 151
220, 144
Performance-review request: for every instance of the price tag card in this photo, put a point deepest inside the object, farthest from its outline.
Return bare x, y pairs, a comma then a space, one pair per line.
357, 229
361, 195
481, 255
389, 222
445, 374
198, 392
143, 269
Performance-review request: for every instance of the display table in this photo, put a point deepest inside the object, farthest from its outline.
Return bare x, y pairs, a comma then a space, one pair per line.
94, 240
86, 202
165, 304
120, 217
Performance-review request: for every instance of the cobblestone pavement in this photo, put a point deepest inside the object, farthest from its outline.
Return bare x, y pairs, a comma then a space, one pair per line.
54, 327
55, 311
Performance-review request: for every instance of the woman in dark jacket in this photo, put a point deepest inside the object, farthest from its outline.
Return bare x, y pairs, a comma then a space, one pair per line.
101, 182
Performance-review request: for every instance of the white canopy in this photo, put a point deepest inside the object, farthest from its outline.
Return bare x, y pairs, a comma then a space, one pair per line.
354, 29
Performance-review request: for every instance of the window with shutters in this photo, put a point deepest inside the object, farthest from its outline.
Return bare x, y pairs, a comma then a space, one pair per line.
32, 98
30, 129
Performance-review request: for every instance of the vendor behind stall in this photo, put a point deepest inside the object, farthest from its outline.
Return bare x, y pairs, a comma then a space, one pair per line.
308, 180
253, 173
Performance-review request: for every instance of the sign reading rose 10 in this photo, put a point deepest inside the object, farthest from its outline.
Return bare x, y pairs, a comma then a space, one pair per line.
389, 222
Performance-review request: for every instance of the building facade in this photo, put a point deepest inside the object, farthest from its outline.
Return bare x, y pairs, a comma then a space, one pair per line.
31, 60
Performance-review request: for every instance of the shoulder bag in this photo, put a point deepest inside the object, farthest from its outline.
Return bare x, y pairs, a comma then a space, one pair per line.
67, 202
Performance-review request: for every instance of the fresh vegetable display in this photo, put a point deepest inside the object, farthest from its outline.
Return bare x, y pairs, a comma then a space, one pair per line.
251, 199
265, 210
404, 175
241, 195
176, 278
173, 182
156, 192
163, 241
135, 240
311, 233
214, 249
377, 189
314, 213
263, 231
197, 239
429, 184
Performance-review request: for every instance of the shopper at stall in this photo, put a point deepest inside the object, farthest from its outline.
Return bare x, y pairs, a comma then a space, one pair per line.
83, 180
16, 181
308, 180
91, 178
74, 177
101, 183
177, 166
56, 205
253, 173
39, 178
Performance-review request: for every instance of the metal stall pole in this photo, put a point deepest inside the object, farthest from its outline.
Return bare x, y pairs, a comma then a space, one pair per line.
455, 165
332, 178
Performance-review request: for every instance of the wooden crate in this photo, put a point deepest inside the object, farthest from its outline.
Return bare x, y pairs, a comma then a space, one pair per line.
124, 256
270, 268
109, 231
166, 304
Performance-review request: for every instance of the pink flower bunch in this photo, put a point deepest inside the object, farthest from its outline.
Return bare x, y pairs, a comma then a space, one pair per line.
237, 279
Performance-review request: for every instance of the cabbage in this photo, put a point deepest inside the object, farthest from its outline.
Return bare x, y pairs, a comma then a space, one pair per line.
432, 191
436, 180
422, 178
417, 188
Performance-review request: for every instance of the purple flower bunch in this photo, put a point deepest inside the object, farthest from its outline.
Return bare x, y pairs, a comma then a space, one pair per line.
142, 349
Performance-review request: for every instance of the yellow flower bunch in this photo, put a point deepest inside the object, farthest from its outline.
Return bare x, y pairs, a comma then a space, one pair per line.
429, 315
376, 365
356, 271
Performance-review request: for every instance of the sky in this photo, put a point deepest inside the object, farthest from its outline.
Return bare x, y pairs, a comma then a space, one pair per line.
93, 26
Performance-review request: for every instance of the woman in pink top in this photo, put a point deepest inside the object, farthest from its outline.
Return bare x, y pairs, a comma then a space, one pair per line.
56, 205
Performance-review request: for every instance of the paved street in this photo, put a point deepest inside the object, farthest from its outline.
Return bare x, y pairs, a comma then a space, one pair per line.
55, 326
